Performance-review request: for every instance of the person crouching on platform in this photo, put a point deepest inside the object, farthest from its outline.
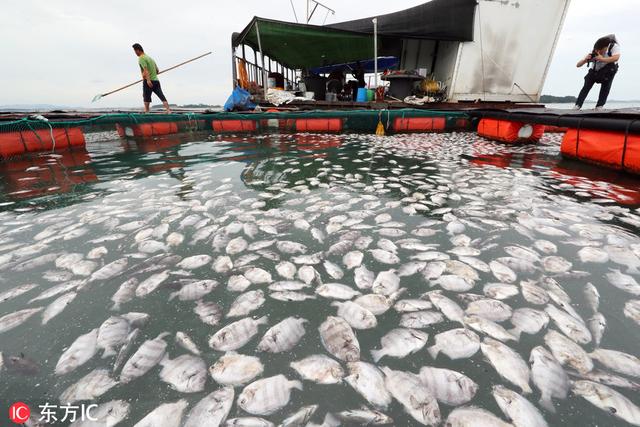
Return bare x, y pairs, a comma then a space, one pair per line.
604, 66
150, 82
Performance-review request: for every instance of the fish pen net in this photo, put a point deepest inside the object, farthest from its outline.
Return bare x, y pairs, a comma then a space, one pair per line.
37, 133
359, 119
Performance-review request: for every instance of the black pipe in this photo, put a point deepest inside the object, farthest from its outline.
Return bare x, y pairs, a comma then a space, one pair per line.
619, 123
435, 58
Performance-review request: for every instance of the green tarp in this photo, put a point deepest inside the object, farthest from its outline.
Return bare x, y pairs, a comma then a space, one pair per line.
305, 46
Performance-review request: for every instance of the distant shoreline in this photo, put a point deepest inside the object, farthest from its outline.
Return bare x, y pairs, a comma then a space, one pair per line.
553, 99
51, 107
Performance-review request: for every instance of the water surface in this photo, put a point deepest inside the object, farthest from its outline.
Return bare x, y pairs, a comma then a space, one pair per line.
492, 189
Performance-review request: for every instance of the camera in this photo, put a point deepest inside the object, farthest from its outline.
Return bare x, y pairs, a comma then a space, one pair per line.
593, 55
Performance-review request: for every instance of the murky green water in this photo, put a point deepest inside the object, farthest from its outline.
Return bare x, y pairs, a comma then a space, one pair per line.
67, 203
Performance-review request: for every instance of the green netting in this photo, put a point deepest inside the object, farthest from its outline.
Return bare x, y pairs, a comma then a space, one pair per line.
101, 120
354, 120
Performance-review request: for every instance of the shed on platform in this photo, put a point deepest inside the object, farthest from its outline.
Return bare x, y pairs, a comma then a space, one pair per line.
489, 50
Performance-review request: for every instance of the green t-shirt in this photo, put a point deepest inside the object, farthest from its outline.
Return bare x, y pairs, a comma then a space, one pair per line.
147, 62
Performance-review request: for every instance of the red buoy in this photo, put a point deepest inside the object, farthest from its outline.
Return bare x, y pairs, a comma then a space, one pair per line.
509, 131
30, 141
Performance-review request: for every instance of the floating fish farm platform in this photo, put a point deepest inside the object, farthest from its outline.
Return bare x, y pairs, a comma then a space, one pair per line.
608, 138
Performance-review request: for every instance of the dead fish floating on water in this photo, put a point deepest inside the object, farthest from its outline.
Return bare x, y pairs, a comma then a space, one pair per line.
148, 355
268, 395
186, 373
319, 368
339, 339
402, 244
212, 410
517, 408
167, 414
78, 353
236, 334
235, 369
608, 400
417, 400
368, 381
90, 387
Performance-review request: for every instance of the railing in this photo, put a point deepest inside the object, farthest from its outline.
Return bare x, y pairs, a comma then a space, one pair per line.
255, 70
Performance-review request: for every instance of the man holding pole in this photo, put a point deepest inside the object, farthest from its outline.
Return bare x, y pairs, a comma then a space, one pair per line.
150, 82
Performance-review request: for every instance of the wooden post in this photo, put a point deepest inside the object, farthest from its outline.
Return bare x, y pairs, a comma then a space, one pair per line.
255, 66
264, 71
234, 68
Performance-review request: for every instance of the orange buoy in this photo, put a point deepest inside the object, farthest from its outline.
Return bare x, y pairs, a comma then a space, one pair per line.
509, 131
419, 124
319, 125
233, 125
30, 141
146, 129
616, 150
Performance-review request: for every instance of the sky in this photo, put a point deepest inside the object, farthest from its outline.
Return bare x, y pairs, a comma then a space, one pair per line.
64, 52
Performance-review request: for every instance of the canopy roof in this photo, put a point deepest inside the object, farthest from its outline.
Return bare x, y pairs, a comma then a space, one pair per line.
307, 46
436, 20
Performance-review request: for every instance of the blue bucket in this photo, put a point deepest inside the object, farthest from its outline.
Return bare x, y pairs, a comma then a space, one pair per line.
362, 95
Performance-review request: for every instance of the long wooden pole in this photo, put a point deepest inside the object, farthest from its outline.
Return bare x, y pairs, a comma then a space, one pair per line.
163, 71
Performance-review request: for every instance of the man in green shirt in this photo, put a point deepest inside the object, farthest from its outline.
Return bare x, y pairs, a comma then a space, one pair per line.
150, 82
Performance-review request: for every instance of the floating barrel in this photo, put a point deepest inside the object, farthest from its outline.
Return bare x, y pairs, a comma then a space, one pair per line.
617, 150
235, 126
419, 124
319, 125
147, 129
509, 131
29, 141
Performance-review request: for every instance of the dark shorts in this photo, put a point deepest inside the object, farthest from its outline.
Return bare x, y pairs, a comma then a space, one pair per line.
146, 91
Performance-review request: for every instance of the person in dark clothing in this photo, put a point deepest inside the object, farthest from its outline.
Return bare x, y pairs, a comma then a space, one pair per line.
603, 61
335, 81
358, 74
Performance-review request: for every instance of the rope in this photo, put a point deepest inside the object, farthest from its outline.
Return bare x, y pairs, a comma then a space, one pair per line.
626, 137
481, 50
35, 133
578, 135
53, 140
194, 121
24, 144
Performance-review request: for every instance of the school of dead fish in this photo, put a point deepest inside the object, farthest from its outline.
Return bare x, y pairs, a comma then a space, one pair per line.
485, 261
